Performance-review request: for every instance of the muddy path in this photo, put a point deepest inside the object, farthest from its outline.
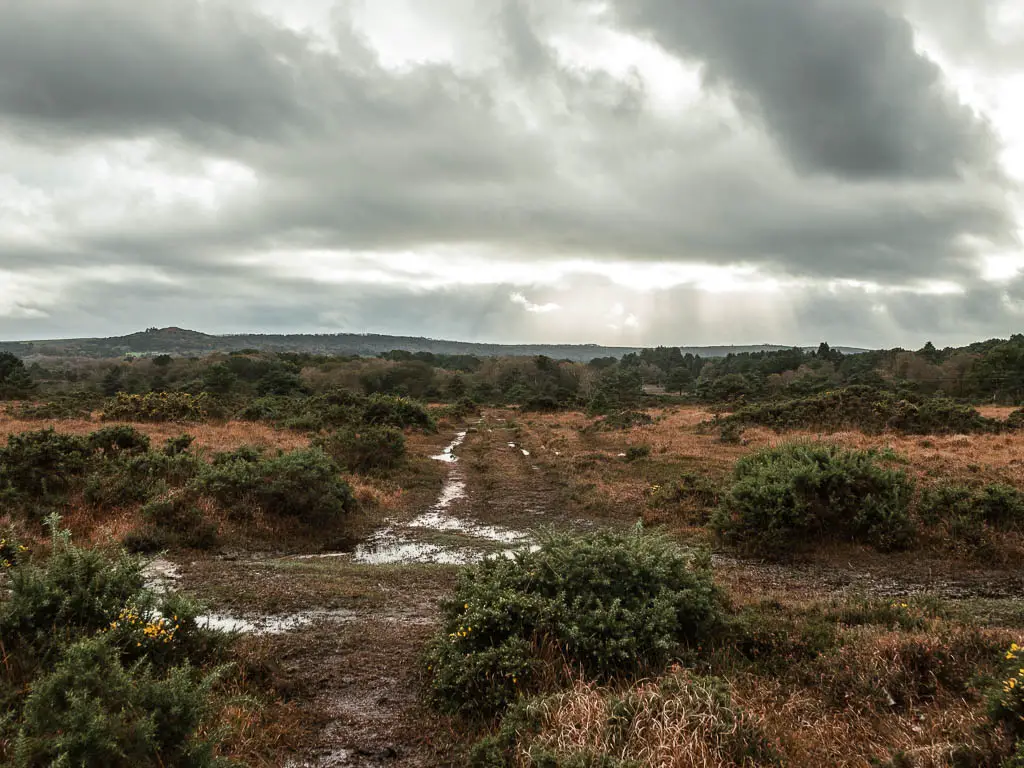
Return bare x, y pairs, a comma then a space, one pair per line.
339, 633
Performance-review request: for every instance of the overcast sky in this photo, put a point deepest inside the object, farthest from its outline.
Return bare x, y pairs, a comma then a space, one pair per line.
624, 172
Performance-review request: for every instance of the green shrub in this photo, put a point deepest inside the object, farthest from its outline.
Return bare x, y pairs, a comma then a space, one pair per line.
1016, 419
868, 409
692, 495
365, 449
43, 464
1002, 506
605, 603
464, 408
158, 407
119, 440
175, 446
91, 710
69, 407
179, 521
304, 484
637, 452
75, 592
398, 412
97, 668
1006, 700
136, 479
785, 498
966, 516
623, 420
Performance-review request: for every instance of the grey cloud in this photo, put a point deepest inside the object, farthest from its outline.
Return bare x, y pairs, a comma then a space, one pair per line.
838, 82
109, 68
352, 156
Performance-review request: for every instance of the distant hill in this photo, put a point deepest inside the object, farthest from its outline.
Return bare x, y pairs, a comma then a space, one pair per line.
180, 342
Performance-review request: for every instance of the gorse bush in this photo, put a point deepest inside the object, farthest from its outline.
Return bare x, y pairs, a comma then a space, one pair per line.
337, 409
1006, 700
175, 446
786, 498
97, 670
158, 407
115, 441
79, 406
398, 412
604, 603
366, 448
622, 420
92, 710
43, 464
964, 517
303, 484
174, 519
868, 409
137, 478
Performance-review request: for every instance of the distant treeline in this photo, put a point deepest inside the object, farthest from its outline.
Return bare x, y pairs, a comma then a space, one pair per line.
990, 371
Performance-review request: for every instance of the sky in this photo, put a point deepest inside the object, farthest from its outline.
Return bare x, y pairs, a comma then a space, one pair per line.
622, 172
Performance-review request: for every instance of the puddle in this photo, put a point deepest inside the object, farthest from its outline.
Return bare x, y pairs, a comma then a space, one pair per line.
438, 522
388, 547
161, 575
271, 624
396, 544
448, 454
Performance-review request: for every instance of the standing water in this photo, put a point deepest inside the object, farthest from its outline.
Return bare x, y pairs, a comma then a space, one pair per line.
400, 543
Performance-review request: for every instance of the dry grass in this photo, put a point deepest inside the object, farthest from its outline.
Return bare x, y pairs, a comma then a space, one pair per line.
674, 723
213, 437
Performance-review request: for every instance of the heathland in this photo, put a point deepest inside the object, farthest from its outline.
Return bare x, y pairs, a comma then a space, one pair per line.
799, 558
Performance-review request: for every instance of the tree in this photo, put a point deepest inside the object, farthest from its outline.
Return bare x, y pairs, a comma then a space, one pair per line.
162, 361
679, 380
112, 382
15, 381
219, 379
279, 381
456, 387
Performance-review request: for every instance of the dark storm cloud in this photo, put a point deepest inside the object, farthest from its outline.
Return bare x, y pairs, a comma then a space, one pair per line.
864, 168
838, 83
107, 67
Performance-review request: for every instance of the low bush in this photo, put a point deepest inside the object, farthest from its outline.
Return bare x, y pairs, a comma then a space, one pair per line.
43, 464
98, 671
783, 499
464, 408
623, 420
158, 407
303, 484
961, 516
867, 409
93, 710
135, 479
175, 519
1006, 700
637, 452
604, 603
398, 412
692, 496
365, 449
71, 407
176, 446
116, 441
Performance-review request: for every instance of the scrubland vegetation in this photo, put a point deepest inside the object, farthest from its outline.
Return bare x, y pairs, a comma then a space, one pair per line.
790, 558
